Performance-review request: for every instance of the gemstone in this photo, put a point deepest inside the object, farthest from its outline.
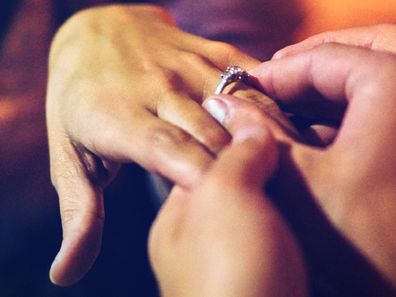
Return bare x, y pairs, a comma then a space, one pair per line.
234, 73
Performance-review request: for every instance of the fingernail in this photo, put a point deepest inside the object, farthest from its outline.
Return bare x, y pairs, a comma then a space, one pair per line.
217, 108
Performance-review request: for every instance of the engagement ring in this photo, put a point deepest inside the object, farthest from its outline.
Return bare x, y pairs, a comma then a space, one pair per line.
230, 75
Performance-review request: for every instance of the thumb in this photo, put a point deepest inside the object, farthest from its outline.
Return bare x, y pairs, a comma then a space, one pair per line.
252, 157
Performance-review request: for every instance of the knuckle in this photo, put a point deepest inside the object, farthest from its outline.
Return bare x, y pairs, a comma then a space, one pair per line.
224, 51
193, 59
77, 23
159, 11
69, 214
220, 46
166, 136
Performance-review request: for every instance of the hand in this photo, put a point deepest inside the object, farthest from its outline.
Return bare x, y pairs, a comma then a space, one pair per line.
125, 85
224, 237
353, 179
377, 38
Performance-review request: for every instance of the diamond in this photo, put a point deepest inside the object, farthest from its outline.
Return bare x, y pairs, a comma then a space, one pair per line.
234, 73
230, 75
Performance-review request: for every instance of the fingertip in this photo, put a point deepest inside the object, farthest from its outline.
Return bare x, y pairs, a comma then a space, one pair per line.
53, 275
241, 119
216, 107
79, 250
64, 273
59, 274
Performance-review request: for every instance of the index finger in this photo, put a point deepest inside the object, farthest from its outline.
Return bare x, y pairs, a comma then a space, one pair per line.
361, 78
379, 37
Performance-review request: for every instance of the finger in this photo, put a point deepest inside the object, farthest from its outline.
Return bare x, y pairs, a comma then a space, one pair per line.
252, 157
243, 118
359, 77
266, 105
262, 101
320, 135
218, 54
351, 73
187, 114
223, 54
203, 71
379, 37
157, 146
225, 107
292, 77
82, 214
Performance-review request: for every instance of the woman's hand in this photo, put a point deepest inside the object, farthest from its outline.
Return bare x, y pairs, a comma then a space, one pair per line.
223, 237
125, 85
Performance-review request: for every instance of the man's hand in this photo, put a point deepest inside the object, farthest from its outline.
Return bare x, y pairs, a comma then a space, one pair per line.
377, 38
353, 179
224, 237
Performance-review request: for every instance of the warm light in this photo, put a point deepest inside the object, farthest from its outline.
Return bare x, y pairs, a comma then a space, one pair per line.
322, 16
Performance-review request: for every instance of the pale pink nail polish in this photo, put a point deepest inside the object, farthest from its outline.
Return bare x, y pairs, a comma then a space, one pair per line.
217, 108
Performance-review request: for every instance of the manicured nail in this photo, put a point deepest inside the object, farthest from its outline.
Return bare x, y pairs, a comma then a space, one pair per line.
217, 108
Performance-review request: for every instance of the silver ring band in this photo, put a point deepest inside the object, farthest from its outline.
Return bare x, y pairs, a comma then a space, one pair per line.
230, 75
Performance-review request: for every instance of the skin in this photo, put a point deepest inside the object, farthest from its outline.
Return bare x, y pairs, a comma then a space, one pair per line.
83, 119
224, 237
353, 179
116, 94
377, 38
